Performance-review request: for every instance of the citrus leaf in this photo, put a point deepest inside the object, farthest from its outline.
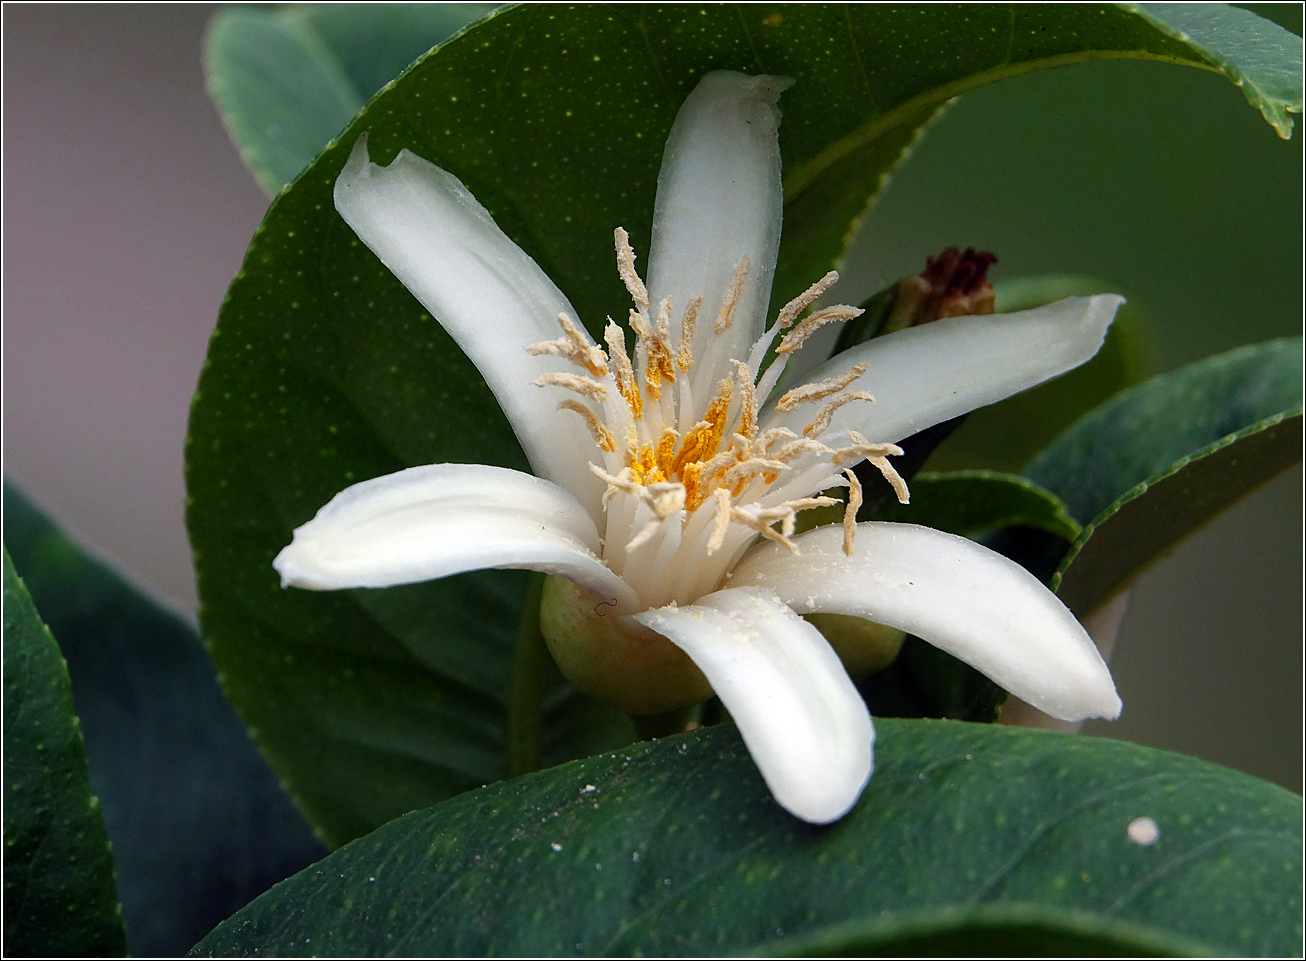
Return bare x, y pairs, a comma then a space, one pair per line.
323, 371
676, 848
1260, 57
198, 823
975, 502
1157, 462
287, 80
60, 898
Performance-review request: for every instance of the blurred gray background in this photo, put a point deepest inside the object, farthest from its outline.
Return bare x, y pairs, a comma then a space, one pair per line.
127, 212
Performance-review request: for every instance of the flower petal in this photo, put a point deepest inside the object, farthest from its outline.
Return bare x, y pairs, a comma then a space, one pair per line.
719, 200
975, 604
924, 375
427, 522
491, 297
803, 721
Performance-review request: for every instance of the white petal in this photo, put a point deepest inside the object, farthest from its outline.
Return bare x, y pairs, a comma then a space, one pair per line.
975, 604
484, 290
924, 375
427, 522
719, 200
803, 721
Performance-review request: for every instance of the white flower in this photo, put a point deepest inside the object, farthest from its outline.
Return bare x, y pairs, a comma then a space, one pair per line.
660, 477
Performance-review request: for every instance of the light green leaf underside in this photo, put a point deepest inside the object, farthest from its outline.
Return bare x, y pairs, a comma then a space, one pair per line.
676, 848
1157, 462
323, 371
60, 896
1259, 56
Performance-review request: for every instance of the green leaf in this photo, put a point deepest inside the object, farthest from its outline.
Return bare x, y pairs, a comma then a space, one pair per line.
676, 848
1259, 56
60, 897
288, 80
998, 931
1157, 462
1005, 435
323, 371
975, 502
199, 824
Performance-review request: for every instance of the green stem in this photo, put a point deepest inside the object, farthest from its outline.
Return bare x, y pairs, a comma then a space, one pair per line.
526, 686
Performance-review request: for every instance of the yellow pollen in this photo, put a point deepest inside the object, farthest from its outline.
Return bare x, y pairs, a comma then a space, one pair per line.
725, 316
623, 373
793, 399
575, 346
790, 311
626, 268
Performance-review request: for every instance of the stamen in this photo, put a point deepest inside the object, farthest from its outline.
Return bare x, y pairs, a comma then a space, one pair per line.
624, 373
850, 512
818, 391
773, 436
657, 349
626, 268
725, 316
826, 315
826, 415
861, 447
751, 468
688, 321
790, 311
762, 526
747, 401
621, 483
797, 448
575, 346
602, 436
892, 476
642, 538
666, 498
722, 521
581, 385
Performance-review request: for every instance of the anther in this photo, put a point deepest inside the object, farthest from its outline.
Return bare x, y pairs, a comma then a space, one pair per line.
826, 315
826, 414
626, 268
575, 346
818, 391
602, 436
790, 311
688, 321
850, 512
725, 316
581, 385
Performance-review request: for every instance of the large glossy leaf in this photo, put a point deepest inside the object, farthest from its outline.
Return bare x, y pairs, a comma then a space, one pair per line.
199, 824
287, 80
60, 898
676, 848
1156, 463
323, 371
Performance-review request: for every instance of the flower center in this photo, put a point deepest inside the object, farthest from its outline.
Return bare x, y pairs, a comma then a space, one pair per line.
689, 481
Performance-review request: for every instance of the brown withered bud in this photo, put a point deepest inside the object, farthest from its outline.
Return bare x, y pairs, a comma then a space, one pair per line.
954, 284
